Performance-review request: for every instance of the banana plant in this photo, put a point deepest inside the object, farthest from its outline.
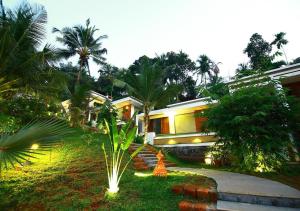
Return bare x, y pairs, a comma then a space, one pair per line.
29, 141
119, 142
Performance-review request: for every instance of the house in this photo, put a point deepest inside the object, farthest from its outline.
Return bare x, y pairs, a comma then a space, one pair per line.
126, 107
178, 127
288, 76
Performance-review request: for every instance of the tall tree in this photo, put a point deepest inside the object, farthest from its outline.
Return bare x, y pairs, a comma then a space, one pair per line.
280, 41
259, 52
80, 40
105, 85
207, 67
22, 33
148, 87
178, 68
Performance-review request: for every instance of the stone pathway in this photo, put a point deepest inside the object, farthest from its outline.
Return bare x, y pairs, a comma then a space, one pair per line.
245, 188
237, 206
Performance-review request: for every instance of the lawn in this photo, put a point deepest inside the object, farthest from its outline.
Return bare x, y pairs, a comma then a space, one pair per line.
289, 175
73, 176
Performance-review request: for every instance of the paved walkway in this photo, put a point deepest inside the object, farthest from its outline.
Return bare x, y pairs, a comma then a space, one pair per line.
237, 206
236, 183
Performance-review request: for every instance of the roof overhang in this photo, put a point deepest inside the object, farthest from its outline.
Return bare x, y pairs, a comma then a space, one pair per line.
176, 108
129, 100
287, 74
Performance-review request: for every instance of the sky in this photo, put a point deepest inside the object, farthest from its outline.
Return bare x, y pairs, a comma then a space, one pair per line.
218, 28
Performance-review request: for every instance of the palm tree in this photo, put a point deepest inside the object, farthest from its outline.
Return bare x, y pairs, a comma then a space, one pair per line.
2, 9
280, 41
148, 87
207, 67
79, 40
18, 147
22, 33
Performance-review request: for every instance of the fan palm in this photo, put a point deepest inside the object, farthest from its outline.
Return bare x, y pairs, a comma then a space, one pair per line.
79, 40
17, 148
148, 87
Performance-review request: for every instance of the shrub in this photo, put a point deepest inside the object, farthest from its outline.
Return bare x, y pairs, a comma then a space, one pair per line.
29, 108
253, 124
9, 124
139, 139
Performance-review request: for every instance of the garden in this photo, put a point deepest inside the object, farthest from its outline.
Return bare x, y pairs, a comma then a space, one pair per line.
57, 158
73, 176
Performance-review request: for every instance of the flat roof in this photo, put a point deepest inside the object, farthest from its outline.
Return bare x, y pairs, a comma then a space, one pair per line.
183, 105
93, 93
204, 99
135, 101
282, 72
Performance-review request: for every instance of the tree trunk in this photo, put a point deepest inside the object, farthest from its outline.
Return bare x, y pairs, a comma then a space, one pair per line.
2, 9
79, 73
146, 122
285, 55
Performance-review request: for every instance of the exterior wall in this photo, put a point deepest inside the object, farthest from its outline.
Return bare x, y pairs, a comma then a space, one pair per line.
187, 139
189, 153
294, 88
185, 123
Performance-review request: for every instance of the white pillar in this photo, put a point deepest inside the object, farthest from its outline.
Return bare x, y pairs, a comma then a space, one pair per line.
171, 116
89, 116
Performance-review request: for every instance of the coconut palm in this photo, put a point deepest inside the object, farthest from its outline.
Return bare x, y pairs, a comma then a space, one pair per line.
148, 87
6, 86
80, 40
23, 145
207, 67
22, 32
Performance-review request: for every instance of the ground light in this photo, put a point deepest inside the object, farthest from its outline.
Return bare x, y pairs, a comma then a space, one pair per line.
140, 174
34, 146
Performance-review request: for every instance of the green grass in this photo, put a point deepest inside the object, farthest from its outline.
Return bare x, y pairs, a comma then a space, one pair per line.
73, 177
289, 175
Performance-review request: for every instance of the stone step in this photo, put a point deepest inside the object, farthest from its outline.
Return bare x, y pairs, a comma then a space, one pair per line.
147, 155
147, 152
152, 165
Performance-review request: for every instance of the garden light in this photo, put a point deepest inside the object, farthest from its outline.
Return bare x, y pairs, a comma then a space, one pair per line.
34, 146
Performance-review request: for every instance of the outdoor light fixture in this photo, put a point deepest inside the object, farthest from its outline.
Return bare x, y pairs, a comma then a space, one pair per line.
140, 174
34, 146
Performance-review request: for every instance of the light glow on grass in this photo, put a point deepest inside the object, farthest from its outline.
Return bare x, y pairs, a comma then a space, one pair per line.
140, 174
34, 146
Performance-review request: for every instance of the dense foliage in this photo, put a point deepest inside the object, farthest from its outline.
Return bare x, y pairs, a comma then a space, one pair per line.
254, 126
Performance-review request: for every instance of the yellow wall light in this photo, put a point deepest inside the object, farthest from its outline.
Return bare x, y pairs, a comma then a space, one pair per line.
171, 141
197, 140
34, 146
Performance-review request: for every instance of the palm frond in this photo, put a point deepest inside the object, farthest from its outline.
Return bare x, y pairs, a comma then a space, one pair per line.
17, 148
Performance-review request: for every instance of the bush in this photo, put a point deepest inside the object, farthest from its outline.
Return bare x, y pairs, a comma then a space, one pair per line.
253, 124
9, 124
29, 108
106, 111
139, 139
